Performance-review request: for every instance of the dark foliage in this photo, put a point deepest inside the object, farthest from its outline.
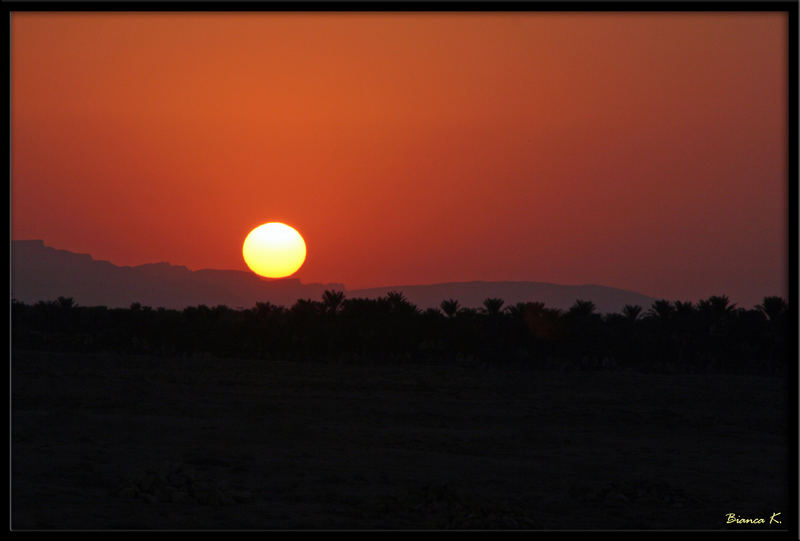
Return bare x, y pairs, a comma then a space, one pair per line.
713, 335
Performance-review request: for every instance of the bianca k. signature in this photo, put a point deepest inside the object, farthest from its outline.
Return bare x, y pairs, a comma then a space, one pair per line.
733, 519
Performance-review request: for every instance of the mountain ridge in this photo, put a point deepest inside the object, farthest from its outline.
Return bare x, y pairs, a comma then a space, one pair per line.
40, 272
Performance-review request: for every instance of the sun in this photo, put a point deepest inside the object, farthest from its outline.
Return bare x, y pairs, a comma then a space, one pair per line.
274, 250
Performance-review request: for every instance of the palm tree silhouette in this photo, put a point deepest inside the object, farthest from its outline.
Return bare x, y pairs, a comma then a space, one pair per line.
450, 307
773, 307
332, 300
661, 309
517, 311
66, 302
631, 312
398, 303
492, 306
684, 308
718, 305
263, 309
711, 335
581, 308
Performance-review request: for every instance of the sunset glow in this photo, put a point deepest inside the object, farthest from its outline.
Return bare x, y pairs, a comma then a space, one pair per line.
620, 149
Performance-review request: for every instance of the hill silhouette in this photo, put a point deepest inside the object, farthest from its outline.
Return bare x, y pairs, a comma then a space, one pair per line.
40, 272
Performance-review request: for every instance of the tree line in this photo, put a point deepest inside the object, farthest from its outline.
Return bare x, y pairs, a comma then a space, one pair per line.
712, 335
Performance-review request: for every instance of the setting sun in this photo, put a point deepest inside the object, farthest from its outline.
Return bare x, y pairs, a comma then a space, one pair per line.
274, 250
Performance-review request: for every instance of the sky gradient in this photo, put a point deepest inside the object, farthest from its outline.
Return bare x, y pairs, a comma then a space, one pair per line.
640, 151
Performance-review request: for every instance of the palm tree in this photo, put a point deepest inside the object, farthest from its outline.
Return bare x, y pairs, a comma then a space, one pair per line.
450, 307
581, 308
684, 308
398, 303
661, 309
718, 305
265, 308
631, 312
517, 311
773, 307
396, 297
492, 306
66, 302
332, 300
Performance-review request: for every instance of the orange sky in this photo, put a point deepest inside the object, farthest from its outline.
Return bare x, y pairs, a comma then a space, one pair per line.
641, 151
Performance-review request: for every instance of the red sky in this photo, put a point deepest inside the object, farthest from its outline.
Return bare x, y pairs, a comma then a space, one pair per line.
640, 151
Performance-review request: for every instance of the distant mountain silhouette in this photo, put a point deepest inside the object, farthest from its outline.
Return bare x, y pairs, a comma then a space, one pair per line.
40, 272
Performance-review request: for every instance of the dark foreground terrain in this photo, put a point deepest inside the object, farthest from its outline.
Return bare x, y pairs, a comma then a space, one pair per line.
137, 442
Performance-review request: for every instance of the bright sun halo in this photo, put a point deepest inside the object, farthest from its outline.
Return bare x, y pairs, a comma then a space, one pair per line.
274, 250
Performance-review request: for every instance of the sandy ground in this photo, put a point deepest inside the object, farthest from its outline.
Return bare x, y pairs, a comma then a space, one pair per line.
133, 442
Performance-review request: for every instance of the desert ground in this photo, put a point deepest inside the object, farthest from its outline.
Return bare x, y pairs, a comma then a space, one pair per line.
142, 443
